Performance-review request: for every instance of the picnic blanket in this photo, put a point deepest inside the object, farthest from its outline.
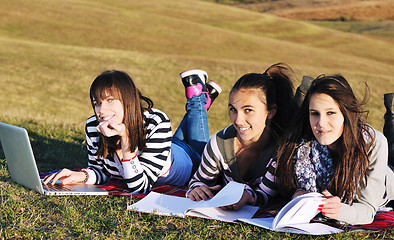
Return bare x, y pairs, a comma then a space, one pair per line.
383, 219
120, 188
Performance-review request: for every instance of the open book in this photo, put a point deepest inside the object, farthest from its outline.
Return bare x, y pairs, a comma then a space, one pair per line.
295, 217
162, 204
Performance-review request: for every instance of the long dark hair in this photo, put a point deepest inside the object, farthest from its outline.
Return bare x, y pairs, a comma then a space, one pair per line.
120, 85
351, 156
278, 89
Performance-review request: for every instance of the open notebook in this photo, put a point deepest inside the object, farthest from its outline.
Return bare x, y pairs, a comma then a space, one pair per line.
23, 169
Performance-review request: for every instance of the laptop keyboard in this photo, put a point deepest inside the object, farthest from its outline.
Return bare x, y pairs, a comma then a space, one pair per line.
56, 187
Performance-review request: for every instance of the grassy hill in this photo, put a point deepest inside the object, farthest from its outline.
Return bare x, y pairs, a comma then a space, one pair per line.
51, 51
344, 10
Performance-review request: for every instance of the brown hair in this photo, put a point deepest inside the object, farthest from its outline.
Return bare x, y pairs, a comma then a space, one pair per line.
120, 85
278, 88
351, 158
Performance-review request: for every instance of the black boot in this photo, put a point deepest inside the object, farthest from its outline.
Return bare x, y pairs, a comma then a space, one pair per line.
388, 129
213, 90
193, 77
302, 90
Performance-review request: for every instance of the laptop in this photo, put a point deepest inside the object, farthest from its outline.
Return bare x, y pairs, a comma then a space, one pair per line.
23, 168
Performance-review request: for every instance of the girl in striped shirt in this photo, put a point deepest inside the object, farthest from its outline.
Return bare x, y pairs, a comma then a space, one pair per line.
128, 139
260, 106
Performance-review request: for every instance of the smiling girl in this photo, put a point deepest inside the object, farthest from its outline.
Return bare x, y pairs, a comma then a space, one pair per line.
333, 151
259, 109
128, 139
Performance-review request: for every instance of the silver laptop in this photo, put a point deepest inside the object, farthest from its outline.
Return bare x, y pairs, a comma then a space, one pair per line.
23, 168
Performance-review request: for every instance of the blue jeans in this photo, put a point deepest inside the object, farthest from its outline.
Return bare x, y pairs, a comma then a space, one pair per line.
189, 139
193, 129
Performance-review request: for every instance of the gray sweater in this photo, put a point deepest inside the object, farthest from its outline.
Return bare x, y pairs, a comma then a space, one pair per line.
379, 189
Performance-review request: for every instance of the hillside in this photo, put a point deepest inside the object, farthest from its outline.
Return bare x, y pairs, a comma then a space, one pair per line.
374, 18
51, 51
357, 10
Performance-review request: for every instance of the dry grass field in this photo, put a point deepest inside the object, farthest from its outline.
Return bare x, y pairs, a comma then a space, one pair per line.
357, 10
50, 52
374, 18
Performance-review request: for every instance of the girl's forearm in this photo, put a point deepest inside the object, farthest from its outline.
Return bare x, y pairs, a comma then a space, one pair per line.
126, 152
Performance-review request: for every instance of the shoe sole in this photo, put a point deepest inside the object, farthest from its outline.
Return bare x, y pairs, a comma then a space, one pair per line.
202, 74
215, 86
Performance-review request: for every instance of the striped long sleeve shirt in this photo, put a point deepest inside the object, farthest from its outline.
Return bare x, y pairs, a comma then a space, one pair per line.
219, 166
141, 172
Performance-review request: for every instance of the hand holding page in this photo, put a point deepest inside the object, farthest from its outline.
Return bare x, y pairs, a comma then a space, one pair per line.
162, 204
295, 217
299, 210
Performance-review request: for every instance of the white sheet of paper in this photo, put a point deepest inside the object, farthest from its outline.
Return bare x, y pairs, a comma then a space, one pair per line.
173, 205
304, 228
259, 222
217, 213
306, 204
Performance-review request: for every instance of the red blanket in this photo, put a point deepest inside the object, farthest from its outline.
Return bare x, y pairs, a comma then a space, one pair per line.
120, 188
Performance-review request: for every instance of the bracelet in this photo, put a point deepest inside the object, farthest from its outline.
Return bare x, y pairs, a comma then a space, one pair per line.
86, 177
128, 160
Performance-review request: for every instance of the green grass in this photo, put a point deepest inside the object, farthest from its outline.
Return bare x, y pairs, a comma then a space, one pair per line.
50, 52
26, 214
384, 29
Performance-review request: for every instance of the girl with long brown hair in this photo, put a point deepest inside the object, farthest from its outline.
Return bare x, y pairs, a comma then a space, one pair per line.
127, 139
259, 108
332, 150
